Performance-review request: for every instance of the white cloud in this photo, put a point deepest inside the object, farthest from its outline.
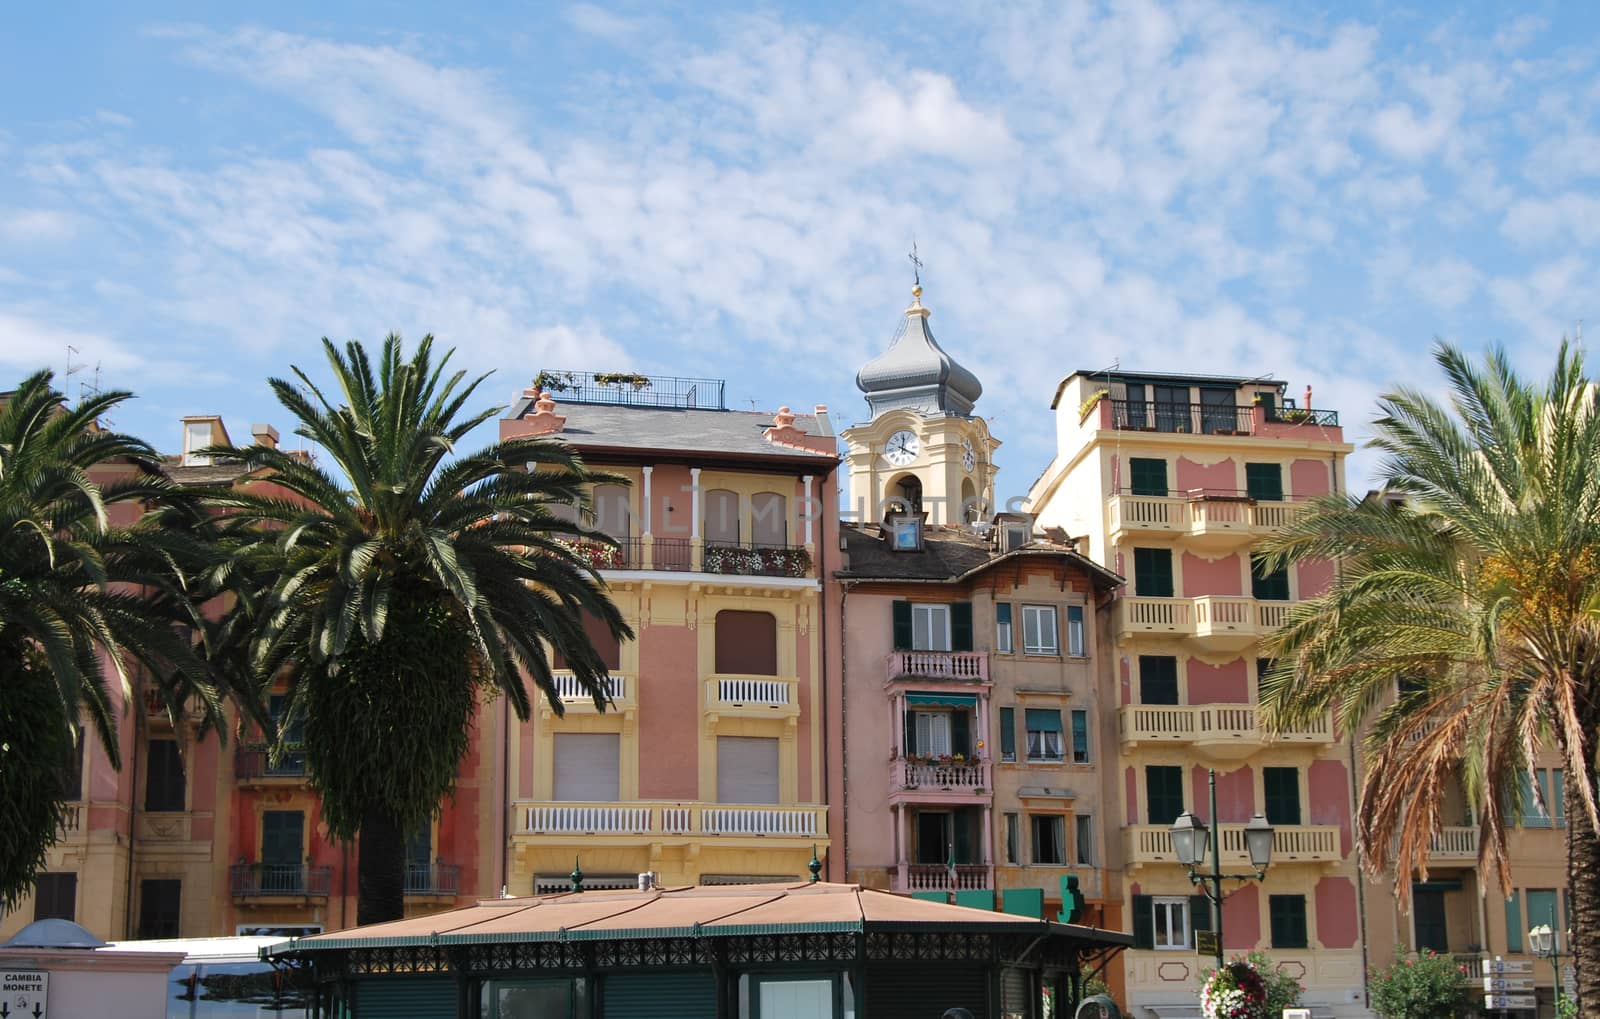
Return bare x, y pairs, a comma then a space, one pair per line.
28, 343
36, 226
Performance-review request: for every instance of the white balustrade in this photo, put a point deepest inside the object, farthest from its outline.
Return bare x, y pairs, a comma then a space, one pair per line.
753, 691
677, 820
758, 821
970, 666
568, 688
71, 817
955, 775
582, 819
938, 877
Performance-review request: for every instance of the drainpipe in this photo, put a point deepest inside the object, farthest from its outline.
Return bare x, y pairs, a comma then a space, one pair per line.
503, 820
137, 709
844, 730
820, 740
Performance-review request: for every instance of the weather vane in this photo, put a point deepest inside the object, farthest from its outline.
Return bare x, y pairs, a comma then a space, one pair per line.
916, 264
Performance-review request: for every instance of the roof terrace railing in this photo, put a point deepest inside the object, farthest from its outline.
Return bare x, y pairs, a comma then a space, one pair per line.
631, 389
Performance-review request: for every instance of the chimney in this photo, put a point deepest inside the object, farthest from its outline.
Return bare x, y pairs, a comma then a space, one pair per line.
824, 422
265, 435
543, 420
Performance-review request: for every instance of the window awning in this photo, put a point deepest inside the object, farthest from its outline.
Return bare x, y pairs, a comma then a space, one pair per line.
1044, 720
942, 700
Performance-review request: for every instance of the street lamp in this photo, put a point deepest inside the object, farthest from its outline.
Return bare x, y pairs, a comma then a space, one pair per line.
1190, 837
1546, 946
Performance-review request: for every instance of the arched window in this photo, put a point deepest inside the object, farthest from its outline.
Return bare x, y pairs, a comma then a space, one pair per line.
905, 494
611, 510
971, 511
769, 519
721, 523
746, 643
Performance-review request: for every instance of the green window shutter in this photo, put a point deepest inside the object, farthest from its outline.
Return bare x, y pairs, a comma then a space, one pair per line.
961, 626
667, 994
1559, 797
1542, 908
393, 997
1514, 922
1158, 679
1288, 916
1080, 737
1199, 913
1152, 572
960, 733
902, 626
1008, 734
1282, 788
1264, 482
1163, 786
1144, 922
910, 743
1265, 586
1148, 475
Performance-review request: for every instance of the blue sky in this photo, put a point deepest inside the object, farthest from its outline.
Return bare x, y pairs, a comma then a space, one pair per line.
192, 194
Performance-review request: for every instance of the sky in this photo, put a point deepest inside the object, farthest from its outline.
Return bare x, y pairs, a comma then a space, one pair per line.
191, 194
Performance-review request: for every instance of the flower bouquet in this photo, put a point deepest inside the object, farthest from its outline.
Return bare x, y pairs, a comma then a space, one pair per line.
1236, 991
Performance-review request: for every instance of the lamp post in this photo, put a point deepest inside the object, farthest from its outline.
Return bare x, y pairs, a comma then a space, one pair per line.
1189, 838
1546, 945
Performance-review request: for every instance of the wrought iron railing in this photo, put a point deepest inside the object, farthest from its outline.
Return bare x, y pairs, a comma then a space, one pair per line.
254, 880
254, 761
433, 878
675, 555
757, 560
631, 389
1209, 418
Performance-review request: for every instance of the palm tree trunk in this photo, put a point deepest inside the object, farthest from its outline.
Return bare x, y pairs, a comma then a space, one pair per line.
381, 870
1583, 862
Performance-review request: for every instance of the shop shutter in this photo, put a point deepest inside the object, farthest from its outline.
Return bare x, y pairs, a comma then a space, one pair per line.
902, 626
747, 769
406, 997
920, 991
586, 766
961, 626
684, 995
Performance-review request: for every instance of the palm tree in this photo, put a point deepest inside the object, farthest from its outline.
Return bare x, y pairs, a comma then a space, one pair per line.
398, 584
103, 563
1475, 592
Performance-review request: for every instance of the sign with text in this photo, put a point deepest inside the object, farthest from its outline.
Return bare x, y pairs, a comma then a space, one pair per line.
23, 993
1506, 967
1507, 985
1205, 942
1508, 1001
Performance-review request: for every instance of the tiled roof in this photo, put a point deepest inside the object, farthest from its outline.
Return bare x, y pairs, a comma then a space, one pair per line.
948, 554
735, 432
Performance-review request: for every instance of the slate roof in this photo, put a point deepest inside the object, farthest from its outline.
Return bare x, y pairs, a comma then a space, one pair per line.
713, 432
916, 372
949, 554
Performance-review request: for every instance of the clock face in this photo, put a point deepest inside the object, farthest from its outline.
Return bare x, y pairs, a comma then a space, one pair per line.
969, 456
901, 448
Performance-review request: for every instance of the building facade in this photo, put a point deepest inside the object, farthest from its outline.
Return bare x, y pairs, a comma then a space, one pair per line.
708, 765
1170, 481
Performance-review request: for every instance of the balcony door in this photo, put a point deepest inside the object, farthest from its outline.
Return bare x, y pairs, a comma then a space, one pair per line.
587, 766
1172, 408
1428, 919
1158, 679
282, 850
1152, 572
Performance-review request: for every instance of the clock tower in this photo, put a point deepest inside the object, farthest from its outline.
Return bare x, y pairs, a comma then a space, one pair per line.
922, 450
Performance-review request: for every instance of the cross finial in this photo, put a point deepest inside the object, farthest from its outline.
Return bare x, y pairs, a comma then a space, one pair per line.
916, 264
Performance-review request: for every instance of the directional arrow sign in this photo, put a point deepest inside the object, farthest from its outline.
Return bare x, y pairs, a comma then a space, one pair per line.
1507, 985
25, 992
1508, 1001
1505, 967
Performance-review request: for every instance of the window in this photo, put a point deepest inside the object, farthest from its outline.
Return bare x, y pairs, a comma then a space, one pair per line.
1288, 918
930, 732
1514, 922
1542, 908
164, 785
1008, 734
1075, 631
1163, 793
1080, 737
720, 523
1049, 839
1152, 572
1172, 408
1158, 679
55, 896
1552, 787
611, 511
535, 999
1268, 585
1085, 847
586, 765
935, 835
780, 997
1282, 789
1039, 630
1264, 482
1148, 476
1137, 412
1044, 735
905, 534
1002, 628
746, 643
283, 850
293, 730
769, 518
1429, 923
1012, 826
1217, 413
932, 626
1171, 923
747, 769
158, 907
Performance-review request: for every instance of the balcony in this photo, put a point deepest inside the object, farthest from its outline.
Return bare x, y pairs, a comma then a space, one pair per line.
435, 880
155, 708
686, 822
940, 877
740, 696
72, 818
1455, 843
278, 881
1223, 731
574, 697
1208, 520
252, 766
1215, 622
959, 666
1144, 844
941, 779
1286, 421
757, 560
680, 555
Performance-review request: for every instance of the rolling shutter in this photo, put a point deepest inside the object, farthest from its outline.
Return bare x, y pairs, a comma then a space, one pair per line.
406, 997
747, 769
907, 992
1016, 991
691, 995
586, 766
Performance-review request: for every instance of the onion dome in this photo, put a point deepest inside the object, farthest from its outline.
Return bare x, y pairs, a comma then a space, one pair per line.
916, 372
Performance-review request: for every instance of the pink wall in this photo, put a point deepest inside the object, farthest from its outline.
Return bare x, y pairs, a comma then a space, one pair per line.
1315, 578
1218, 477
868, 637
669, 714
1336, 912
1241, 919
671, 504
1329, 784
1308, 478
1212, 576
1236, 795
1125, 682
1228, 683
